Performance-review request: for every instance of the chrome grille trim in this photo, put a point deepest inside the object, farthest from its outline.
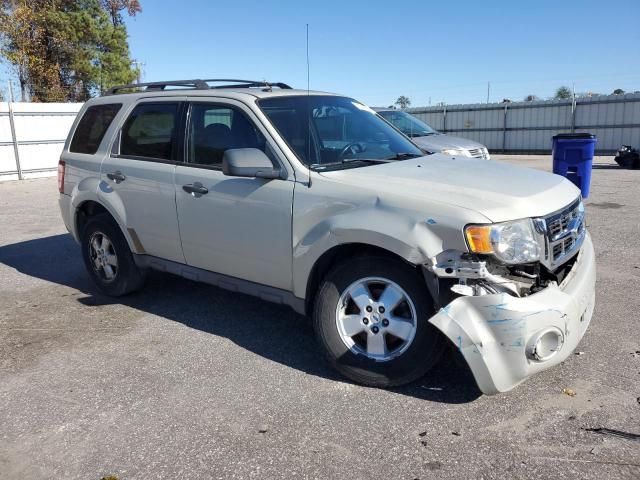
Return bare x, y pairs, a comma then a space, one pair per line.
476, 152
562, 234
479, 153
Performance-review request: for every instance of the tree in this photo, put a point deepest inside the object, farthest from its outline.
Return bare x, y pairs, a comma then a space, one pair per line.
114, 7
618, 91
531, 98
563, 93
66, 50
403, 102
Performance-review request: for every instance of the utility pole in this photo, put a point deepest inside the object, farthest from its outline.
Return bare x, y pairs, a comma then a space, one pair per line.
573, 107
138, 66
14, 138
488, 90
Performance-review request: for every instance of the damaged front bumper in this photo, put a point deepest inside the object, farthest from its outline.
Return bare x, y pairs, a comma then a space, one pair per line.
506, 339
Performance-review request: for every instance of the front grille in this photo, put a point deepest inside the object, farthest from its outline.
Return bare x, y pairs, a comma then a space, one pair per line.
476, 152
558, 224
562, 247
479, 153
564, 232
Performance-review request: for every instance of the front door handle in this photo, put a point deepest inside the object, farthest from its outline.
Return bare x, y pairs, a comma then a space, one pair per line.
116, 176
195, 188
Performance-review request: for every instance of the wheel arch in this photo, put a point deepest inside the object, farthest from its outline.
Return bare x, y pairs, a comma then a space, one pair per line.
333, 256
89, 208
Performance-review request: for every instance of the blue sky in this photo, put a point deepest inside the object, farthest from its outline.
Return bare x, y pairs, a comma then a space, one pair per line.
377, 50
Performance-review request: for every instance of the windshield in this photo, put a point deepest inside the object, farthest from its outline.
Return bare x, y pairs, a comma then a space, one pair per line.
342, 132
407, 124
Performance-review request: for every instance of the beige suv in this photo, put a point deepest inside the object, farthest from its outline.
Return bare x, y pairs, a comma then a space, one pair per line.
312, 200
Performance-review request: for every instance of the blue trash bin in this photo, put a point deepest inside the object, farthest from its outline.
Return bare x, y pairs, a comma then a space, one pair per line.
573, 158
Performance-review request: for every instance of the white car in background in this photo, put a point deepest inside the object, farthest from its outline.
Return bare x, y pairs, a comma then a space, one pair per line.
430, 139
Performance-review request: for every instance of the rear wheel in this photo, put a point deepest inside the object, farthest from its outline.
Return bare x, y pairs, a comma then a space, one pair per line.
371, 319
108, 259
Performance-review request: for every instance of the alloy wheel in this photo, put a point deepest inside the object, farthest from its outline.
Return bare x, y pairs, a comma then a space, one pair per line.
104, 259
375, 317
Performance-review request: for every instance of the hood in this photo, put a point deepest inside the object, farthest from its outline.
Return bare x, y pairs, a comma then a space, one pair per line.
499, 191
439, 141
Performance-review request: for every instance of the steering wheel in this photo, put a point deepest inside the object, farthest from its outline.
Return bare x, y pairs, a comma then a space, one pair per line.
351, 149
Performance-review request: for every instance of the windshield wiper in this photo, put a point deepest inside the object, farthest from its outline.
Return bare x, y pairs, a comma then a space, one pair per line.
322, 166
369, 160
404, 156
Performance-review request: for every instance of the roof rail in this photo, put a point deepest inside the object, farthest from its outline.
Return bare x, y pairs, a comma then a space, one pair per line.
196, 84
247, 83
151, 86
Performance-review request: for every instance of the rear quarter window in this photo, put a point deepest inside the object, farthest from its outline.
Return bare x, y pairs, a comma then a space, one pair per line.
92, 127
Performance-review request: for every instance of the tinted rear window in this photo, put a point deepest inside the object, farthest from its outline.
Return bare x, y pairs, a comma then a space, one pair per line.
92, 127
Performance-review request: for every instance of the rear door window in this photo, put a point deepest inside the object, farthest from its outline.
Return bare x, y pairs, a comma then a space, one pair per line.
92, 127
151, 131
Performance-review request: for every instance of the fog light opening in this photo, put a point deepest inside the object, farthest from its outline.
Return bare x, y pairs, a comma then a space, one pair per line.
545, 344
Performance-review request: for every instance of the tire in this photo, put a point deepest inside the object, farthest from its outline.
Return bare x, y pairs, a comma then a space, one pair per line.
108, 258
364, 357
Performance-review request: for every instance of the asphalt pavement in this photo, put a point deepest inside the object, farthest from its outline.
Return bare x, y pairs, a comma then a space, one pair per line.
184, 380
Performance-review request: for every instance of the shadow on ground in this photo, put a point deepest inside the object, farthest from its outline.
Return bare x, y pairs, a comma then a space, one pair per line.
605, 166
272, 331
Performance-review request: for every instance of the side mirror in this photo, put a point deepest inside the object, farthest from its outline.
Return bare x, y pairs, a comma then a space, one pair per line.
249, 162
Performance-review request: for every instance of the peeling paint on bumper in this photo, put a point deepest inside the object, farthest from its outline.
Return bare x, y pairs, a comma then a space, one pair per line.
493, 331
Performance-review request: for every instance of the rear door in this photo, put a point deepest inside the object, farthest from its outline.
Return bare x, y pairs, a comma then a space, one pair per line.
241, 226
137, 176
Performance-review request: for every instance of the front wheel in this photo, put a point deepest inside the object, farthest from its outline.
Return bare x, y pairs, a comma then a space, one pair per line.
371, 319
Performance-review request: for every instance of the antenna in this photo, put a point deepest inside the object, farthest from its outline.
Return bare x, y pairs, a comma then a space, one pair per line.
308, 113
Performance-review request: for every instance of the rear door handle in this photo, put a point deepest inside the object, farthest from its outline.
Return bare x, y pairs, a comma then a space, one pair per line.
116, 176
195, 188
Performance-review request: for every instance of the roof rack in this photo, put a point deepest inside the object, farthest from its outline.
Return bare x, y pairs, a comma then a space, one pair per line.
196, 84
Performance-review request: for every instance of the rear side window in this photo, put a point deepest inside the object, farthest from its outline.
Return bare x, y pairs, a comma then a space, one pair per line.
92, 127
150, 131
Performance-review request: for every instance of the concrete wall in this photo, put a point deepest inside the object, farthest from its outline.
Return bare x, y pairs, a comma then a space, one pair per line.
40, 131
527, 127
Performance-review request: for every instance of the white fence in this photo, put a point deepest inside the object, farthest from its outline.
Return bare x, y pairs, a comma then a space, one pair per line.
32, 136
527, 127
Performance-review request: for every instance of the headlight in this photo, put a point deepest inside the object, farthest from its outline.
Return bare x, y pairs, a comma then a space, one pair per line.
511, 242
453, 151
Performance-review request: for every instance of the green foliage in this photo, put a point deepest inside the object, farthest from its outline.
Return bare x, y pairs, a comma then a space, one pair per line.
563, 93
618, 91
531, 98
66, 50
403, 102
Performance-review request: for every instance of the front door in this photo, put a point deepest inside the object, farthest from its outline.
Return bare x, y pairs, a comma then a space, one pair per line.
138, 175
236, 226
